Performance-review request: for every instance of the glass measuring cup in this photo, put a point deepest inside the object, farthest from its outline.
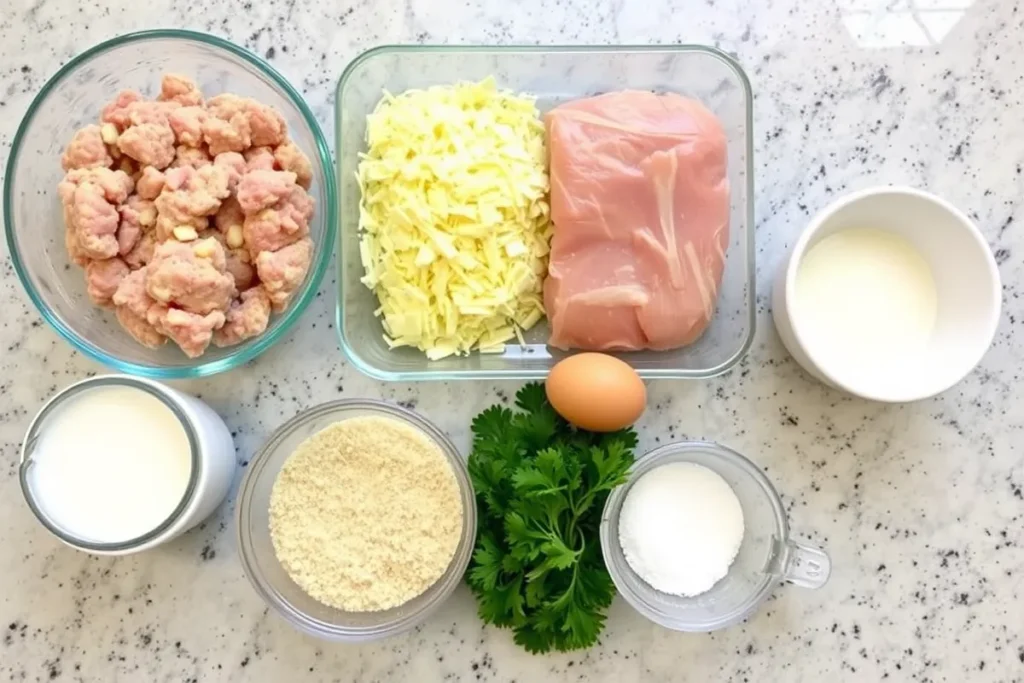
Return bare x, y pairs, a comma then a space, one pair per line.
766, 557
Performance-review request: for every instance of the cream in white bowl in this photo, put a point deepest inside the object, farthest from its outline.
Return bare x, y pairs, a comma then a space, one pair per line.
891, 294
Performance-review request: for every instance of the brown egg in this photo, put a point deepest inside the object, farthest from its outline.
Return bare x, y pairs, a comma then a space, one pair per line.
596, 392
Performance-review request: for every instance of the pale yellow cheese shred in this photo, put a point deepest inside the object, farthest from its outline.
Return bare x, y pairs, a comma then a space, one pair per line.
454, 220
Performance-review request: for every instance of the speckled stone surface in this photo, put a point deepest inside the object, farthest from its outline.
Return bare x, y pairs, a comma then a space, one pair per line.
920, 506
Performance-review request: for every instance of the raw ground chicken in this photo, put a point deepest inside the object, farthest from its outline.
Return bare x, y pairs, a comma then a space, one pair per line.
189, 216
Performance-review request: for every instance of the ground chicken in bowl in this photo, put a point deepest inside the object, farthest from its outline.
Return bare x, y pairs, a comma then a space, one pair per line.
189, 216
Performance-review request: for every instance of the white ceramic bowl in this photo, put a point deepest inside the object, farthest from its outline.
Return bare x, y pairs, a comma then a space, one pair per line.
968, 292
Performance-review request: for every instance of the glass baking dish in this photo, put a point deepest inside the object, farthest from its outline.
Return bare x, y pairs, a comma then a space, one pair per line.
554, 75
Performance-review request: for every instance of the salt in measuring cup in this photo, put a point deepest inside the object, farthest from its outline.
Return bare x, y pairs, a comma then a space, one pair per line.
767, 555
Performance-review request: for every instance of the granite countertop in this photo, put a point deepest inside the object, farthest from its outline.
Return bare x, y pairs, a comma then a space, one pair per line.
920, 506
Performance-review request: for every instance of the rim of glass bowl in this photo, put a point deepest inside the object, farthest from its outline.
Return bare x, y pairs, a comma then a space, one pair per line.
441, 590
246, 352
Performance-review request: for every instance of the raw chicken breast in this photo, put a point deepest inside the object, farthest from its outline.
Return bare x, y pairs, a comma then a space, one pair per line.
640, 206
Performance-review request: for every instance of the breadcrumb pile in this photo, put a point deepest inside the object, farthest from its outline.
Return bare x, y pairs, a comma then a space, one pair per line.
366, 514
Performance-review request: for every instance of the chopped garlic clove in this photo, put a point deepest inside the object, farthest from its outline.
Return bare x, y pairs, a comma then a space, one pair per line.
109, 134
234, 237
185, 233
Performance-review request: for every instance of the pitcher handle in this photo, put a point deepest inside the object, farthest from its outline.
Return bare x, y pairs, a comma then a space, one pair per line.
806, 566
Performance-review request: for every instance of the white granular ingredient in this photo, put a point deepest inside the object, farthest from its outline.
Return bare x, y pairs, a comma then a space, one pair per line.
366, 514
680, 527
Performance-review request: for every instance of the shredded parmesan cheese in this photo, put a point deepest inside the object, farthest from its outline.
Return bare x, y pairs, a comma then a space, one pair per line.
366, 515
454, 219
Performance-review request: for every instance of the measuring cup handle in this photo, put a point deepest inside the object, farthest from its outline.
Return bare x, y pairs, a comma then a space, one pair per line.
806, 566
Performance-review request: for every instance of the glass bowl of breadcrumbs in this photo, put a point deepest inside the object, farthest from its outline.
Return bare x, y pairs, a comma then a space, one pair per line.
356, 520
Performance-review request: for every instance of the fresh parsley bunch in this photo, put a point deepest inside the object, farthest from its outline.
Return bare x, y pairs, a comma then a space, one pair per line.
541, 485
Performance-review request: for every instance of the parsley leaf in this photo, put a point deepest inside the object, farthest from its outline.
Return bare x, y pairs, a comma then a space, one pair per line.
486, 563
541, 485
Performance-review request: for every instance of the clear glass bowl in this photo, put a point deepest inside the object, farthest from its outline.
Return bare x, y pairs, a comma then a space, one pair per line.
271, 580
554, 75
767, 555
33, 217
